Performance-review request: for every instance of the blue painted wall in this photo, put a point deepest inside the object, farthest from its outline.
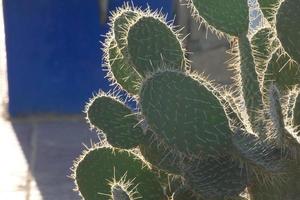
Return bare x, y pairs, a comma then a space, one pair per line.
53, 53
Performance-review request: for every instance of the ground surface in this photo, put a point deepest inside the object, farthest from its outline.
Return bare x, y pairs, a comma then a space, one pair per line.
36, 156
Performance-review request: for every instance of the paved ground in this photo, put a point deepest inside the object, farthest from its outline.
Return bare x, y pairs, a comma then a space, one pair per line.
36, 155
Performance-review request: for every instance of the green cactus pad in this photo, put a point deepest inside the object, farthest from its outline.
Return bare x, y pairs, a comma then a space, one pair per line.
160, 156
263, 44
260, 154
152, 44
219, 178
276, 116
231, 17
269, 8
121, 25
288, 29
120, 71
110, 115
102, 173
283, 73
250, 85
184, 112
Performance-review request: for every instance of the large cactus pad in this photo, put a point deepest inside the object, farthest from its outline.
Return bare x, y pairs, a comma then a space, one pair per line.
185, 113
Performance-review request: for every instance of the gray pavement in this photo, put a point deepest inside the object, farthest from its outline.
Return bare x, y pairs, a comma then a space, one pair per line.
37, 154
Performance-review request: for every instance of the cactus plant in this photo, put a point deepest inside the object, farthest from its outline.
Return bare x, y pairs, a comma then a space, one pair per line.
190, 138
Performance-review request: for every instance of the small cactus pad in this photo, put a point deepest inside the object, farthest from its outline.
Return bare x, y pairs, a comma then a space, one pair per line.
269, 8
263, 44
152, 44
184, 112
231, 17
288, 29
219, 178
121, 24
250, 84
120, 71
118, 123
102, 173
276, 116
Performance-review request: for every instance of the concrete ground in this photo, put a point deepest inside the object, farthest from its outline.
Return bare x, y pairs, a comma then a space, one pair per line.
36, 156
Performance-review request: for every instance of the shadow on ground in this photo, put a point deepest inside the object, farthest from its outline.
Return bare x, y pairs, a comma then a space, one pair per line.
50, 146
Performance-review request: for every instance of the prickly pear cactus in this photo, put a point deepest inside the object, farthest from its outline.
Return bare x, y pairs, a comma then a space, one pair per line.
189, 138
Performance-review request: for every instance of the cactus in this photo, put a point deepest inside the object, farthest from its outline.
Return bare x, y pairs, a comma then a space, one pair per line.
190, 138
102, 173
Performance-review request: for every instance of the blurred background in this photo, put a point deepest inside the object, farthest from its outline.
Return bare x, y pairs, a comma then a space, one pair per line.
50, 65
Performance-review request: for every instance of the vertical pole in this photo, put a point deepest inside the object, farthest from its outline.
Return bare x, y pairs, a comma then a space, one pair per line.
103, 7
3, 68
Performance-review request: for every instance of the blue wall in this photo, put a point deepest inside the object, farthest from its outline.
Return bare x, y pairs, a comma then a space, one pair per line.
53, 53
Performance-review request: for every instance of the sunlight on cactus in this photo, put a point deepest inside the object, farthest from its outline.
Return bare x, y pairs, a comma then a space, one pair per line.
190, 138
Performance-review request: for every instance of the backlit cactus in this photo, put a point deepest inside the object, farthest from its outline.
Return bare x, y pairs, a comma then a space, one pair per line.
189, 138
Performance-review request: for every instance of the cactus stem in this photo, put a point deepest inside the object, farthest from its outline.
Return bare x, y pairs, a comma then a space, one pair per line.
250, 86
276, 115
108, 61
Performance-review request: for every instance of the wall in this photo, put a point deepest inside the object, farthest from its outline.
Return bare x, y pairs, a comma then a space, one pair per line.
53, 53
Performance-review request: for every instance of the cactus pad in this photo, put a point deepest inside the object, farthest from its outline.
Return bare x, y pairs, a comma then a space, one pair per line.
283, 73
111, 116
120, 72
102, 173
288, 29
121, 22
185, 113
250, 86
153, 44
263, 44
